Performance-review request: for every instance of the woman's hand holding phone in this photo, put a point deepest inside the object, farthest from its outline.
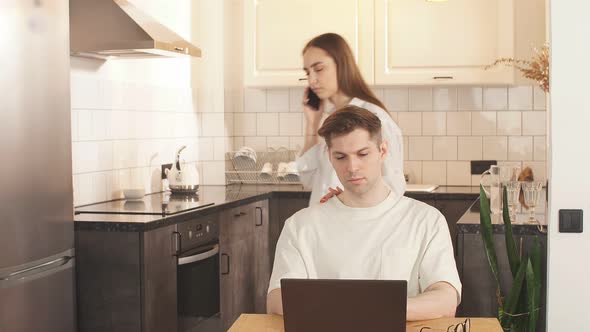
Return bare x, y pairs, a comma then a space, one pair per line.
313, 108
313, 119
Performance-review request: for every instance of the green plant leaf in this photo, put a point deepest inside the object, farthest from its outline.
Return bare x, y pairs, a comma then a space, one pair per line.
513, 258
513, 295
485, 223
535, 289
533, 301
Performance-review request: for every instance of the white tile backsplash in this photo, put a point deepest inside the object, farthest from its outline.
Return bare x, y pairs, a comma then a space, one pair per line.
219, 144
520, 98
534, 123
434, 172
206, 149
470, 98
213, 172
509, 123
229, 124
420, 99
459, 173
296, 143
124, 129
434, 123
495, 99
410, 123
290, 124
440, 124
459, 123
277, 100
414, 171
277, 142
539, 99
406, 148
444, 99
444, 148
520, 148
469, 148
495, 148
396, 99
256, 143
483, 123
213, 124
540, 148
102, 124
254, 100
245, 124
420, 148
85, 128
85, 92
238, 143
267, 124
296, 99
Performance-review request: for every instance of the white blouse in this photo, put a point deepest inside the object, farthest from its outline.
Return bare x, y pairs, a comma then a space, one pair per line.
316, 171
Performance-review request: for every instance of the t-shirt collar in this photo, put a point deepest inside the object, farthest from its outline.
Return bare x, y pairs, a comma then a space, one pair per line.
338, 208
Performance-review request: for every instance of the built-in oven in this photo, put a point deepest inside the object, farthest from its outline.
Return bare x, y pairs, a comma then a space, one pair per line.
198, 276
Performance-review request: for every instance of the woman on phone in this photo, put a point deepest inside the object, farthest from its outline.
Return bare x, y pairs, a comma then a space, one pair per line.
334, 77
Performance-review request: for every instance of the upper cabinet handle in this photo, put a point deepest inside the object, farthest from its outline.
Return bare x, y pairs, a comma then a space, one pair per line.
443, 77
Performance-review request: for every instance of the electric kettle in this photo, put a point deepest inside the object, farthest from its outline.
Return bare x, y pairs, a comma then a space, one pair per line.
182, 177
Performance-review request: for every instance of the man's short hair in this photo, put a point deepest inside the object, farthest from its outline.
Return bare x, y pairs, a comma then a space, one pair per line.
347, 119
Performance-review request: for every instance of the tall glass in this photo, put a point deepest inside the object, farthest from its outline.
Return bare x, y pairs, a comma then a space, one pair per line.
490, 181
512, 193
532, 191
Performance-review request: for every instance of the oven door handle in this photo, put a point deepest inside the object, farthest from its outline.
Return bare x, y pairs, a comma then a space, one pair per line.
199, 257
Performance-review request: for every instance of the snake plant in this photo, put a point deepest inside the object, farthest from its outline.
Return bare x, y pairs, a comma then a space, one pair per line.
518, 310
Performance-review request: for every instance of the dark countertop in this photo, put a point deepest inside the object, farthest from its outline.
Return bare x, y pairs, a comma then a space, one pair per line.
225, 197
469, 222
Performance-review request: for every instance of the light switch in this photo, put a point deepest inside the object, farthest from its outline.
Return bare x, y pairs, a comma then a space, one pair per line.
570, 221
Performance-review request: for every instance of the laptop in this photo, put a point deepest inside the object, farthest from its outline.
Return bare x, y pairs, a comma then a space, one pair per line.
344, 305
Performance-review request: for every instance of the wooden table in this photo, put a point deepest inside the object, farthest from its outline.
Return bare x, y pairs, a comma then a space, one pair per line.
274, 323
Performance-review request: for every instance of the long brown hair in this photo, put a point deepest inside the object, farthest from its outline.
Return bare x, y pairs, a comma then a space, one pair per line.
350, 80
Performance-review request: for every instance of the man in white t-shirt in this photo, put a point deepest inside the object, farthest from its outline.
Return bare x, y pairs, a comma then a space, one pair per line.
367, 231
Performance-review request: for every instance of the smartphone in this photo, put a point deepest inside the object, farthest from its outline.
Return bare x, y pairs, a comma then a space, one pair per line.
313, 100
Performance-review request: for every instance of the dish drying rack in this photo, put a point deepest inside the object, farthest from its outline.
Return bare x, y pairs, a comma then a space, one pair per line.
245, 170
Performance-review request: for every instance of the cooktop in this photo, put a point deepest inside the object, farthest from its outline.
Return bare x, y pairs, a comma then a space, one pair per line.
163, 203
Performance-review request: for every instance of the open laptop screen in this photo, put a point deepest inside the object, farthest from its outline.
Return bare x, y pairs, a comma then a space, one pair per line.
344, 305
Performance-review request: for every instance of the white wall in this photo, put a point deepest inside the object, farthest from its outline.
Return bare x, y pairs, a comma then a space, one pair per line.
569, 157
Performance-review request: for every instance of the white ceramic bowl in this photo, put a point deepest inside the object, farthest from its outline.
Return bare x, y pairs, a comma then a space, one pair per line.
134, 193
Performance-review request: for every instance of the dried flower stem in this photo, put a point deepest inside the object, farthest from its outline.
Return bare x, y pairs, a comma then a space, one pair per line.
537, 69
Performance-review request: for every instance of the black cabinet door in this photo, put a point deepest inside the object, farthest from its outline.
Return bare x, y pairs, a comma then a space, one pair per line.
108, 281
479, 286
453, 209
236, 242
159, 281
262, 267
280, 210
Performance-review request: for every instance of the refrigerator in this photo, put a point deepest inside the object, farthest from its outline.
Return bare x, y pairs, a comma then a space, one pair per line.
37, 291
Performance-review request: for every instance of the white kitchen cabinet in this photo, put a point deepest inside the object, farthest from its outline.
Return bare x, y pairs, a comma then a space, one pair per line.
275, 32
422, 42
396, 42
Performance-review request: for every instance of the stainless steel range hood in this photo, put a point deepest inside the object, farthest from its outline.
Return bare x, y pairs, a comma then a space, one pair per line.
117, 28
